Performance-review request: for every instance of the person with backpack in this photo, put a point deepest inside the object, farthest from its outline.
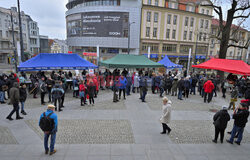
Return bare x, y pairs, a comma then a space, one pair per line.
220, 123
48, 123
57, 94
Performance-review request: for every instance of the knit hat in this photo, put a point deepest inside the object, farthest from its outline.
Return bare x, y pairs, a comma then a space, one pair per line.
51, 106
224, 107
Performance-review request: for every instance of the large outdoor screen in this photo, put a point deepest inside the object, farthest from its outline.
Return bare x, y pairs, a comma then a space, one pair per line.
99, 24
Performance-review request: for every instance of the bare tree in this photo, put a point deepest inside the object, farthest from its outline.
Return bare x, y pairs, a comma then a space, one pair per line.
239, 11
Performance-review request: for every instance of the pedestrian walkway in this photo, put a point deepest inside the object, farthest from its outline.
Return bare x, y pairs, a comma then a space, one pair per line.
128, 130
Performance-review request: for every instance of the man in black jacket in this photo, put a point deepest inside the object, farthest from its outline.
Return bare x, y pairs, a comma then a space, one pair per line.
180, 86
220, 123
240, 117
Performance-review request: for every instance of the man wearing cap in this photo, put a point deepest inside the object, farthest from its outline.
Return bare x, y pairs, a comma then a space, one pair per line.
220, 123
240, 117
50, 111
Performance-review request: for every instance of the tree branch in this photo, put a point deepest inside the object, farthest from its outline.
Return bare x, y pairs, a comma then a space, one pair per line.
242, 8
242, 47
235, 40
242, 16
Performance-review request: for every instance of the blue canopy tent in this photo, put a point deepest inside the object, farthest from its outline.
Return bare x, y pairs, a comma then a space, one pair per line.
53, 61
168, 64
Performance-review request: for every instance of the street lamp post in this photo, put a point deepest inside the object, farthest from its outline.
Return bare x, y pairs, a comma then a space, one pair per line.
129, 36
21, 31
14, 46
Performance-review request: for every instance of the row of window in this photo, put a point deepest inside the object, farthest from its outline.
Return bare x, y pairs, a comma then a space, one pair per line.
174, 5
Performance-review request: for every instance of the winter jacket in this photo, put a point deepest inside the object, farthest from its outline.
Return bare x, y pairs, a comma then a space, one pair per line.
52, 116
221, 118
145, 84
194, 82
234, 93
166, 109
91, 89
241, 118
180, 84
57, 92
23, 94
208, 86
129, 81
174, 85
14, 94
122, 83
187, 84
81, 87
136, 81
157, 81
168, 83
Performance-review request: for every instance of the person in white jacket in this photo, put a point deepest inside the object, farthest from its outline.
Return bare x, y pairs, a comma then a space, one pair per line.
166, 117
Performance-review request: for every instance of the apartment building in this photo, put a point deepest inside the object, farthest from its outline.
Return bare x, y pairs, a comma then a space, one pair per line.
30, 35
172, 27
240, 35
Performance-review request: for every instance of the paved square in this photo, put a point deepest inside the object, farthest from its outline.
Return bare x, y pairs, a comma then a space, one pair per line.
6, 136
198, 132
90, 131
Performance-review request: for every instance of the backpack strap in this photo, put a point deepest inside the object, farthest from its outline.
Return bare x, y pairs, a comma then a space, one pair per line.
49, 114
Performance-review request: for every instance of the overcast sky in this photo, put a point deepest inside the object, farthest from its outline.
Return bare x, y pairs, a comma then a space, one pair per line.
50, 15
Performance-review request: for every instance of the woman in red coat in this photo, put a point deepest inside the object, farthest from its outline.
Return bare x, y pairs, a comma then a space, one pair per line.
208, 89
82, 93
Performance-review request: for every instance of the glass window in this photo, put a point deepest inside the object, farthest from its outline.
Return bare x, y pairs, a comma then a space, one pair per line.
192, 22
202, 23
173, 34
169, 48
204, 37
202, 11
186, 21
190, 35
187, 8
147, 31
149, 2
156, 2
207, 12
185, 48
1, 33
185, 35
169, 19
155, 32
148, 16
211, 53
155, 17
168, 33
175, 19
200, 35
206, 24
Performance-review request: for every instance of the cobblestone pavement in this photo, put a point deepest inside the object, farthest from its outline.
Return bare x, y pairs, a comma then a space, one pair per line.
128, 130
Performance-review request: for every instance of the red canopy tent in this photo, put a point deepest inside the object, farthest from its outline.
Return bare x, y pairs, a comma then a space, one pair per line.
226, 65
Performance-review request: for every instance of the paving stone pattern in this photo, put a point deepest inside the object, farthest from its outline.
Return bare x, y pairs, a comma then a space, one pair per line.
198, 132
6, 136
90, 131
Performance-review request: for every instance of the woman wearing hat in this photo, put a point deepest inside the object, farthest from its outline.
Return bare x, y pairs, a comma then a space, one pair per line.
220, 123
165, 118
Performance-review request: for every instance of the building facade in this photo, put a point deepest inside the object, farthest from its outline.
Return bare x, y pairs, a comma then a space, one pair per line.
59, 46
30, 35
108, 24
241, 37
172, 27
44, 44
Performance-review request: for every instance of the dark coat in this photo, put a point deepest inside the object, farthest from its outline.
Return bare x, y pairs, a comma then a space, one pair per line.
240, 118
187, 84
91, 89
221, 118
23, 94
14, 94
180, 84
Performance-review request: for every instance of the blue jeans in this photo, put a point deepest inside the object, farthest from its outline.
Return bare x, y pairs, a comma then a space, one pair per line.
128, 88
52, 141
240, 133
1, 96
144, 93
180, 94
22, 106
192, 90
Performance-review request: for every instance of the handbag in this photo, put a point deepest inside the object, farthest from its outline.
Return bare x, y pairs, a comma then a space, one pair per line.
76, 88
